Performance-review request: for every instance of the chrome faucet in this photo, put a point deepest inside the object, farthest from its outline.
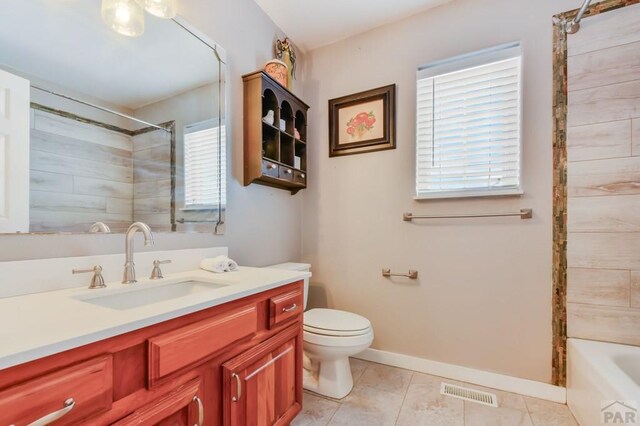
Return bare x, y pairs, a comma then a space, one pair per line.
99, 227
129, 276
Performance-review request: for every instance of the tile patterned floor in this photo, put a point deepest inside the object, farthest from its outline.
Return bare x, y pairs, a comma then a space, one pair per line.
384, 395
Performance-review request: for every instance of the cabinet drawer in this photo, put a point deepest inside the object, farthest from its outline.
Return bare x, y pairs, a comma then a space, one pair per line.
284, 307
269, 168
172, 351
286, 173
182, 406
299, 177
89, 385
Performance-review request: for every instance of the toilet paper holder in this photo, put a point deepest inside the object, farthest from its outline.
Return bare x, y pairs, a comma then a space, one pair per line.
412, 274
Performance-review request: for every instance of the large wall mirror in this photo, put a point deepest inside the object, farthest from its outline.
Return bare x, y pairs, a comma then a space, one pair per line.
99, 130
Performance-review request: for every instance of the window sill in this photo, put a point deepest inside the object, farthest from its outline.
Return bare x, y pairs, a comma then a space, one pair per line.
201, 209
470, 194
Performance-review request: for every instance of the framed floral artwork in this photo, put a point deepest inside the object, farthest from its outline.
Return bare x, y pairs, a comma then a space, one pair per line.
363, 122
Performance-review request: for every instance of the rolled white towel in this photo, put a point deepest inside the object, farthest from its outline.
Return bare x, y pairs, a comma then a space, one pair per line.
216, 264
232, 265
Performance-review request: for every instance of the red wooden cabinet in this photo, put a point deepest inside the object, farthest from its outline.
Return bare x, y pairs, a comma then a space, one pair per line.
263, 386
185, 371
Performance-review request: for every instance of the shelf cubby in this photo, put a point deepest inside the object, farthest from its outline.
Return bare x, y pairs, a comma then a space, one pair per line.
286, 149
270, 142
301, 151
301, 125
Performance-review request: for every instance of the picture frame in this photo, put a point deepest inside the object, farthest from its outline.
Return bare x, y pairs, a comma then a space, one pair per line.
363, 122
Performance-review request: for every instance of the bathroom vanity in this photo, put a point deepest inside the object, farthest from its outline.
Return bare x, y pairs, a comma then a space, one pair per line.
226, 354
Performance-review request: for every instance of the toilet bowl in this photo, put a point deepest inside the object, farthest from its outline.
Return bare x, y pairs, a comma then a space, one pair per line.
330, 337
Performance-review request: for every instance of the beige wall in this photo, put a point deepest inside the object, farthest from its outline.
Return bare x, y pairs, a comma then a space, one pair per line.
603, 243
263, 224
483, 298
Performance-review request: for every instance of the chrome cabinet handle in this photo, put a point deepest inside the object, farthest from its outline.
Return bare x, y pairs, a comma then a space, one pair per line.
271, 166
288, 171
290, 308
200, 410
238, 387
302, 175
52, 417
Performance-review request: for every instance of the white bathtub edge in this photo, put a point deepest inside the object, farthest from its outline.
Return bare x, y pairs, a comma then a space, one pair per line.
593, 378
488, 379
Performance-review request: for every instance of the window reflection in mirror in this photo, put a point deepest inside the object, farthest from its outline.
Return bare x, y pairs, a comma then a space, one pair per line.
120, 129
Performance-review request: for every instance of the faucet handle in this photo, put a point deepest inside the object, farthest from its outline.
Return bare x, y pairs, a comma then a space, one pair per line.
97, 281
156, 272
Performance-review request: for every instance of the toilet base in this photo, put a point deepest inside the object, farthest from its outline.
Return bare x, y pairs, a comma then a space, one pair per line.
329, 378
326, 362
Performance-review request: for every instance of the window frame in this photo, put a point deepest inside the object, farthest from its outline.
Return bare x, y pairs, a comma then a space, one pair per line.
461, 63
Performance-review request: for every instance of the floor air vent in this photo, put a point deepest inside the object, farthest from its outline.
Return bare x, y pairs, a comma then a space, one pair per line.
472, 395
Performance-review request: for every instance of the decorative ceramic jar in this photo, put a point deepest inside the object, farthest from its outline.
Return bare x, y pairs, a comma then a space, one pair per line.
277, 70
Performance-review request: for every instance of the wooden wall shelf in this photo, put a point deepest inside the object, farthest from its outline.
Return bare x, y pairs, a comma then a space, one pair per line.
274, 156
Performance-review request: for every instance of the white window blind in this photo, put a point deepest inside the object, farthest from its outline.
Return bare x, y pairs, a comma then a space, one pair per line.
202, 175
468, 125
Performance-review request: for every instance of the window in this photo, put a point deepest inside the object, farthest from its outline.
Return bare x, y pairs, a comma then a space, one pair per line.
204, 182
468, 125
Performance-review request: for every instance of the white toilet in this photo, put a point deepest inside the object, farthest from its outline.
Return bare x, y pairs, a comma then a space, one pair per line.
330, 338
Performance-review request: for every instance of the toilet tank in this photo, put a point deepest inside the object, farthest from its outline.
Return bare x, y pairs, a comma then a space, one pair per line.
292, 266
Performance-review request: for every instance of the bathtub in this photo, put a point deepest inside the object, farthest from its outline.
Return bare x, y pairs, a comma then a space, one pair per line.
598, 372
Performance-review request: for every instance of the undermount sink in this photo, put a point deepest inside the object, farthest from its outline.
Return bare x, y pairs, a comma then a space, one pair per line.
131, 298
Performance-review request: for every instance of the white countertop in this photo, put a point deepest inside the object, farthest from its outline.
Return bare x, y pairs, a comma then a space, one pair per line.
41, 324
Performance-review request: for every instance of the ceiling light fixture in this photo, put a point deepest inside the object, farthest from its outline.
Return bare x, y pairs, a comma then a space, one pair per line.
125, 17
166, 9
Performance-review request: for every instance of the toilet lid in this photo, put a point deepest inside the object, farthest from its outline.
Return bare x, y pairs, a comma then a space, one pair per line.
334, 322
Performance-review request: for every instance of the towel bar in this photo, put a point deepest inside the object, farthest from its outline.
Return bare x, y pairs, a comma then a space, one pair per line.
523, 214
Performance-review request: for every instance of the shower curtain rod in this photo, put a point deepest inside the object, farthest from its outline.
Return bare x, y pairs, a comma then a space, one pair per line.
101, 108
574, 26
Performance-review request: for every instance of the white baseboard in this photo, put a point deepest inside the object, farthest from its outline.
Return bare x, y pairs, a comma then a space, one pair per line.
469, 375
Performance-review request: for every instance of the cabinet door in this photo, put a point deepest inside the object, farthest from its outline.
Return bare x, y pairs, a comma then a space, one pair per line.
263, 386
181, 407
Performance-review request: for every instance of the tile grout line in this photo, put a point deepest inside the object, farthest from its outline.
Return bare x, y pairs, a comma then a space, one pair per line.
334, 414
601, 48
404, 397
526, 405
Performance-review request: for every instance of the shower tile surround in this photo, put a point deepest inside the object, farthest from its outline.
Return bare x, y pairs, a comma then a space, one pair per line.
384, 395
83, 171
603, 178
152, 157
80, 173
591, 142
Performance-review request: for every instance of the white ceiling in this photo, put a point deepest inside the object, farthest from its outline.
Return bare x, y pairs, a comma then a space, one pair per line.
65, 43
311, 23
